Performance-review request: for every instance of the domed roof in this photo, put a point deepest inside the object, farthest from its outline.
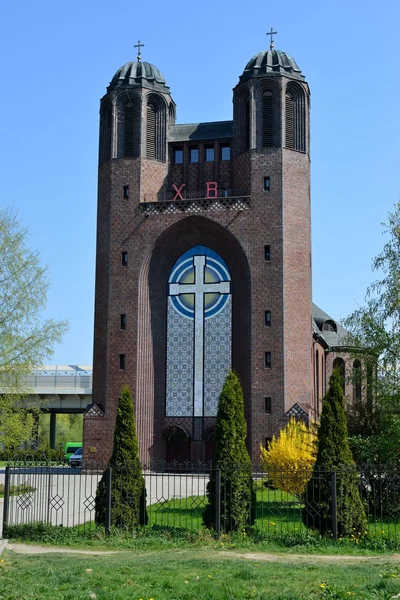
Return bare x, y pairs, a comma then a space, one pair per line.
271, 62
137, 73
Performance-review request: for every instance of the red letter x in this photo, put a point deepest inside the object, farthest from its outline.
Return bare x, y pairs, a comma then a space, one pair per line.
178, 192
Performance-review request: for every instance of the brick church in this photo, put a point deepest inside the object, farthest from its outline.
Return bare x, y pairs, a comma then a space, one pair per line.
204, 263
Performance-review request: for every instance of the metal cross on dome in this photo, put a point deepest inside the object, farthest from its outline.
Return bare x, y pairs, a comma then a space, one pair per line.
271, 33
139, 52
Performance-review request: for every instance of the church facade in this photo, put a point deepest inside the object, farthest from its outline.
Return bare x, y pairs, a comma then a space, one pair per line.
204, 263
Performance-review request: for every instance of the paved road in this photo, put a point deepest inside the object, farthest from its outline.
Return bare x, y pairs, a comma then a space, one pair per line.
64, 496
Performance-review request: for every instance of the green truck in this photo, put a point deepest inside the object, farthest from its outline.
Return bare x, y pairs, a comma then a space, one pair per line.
70, 449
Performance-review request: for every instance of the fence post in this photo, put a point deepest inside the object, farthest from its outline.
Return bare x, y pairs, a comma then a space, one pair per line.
6, 506
218, 502
108, 499
334, 505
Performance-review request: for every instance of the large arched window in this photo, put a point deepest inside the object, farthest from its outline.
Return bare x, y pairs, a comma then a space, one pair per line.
151, 131
129, 129
199, 333
242, 120
267, 119
340, 365
105, 131
156, 127
357, 381
295, 126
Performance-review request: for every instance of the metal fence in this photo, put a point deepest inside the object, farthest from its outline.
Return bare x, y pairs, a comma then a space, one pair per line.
176, 497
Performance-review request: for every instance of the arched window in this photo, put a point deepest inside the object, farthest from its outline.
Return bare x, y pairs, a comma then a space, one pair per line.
295, 137
105, 131
129, 129
329, 326
241, 120
151, 131
156, 127
267, 120
340, 365
357, 381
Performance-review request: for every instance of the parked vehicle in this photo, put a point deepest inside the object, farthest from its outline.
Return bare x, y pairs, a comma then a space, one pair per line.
76, 459
70, 449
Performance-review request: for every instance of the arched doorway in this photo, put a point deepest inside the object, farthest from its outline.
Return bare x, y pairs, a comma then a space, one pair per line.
177, 446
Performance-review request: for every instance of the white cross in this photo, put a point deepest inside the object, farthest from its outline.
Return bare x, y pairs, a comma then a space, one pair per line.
199, 288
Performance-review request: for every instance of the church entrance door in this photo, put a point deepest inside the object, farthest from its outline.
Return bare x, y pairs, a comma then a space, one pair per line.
178, 447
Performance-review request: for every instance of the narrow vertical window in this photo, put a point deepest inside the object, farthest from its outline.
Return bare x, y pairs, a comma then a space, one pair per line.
268, 360
267, 318
123, 322
125, 192
151, 131
129, 129
267, 252
357, 380
268, 406
247, 132
122, 362
209, 153
194, 155
225, 153
317, 382
178, 156
124, 259
289, 122
267, 184
267, 130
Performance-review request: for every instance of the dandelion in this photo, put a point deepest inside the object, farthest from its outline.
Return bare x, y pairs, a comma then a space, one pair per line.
322, 586
187, 581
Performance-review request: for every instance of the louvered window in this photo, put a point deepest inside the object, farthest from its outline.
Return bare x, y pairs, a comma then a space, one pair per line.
247, 126
151, 132
129, 122
289, 121
268, 138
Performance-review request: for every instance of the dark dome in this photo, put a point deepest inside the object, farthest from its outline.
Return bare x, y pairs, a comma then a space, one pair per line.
271, 62
138, 73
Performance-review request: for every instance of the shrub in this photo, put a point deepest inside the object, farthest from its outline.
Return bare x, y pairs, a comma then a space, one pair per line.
128, 492
334, 455
289, 459
233, 461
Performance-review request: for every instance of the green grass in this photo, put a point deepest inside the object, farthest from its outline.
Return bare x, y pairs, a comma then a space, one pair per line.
191, 575
17, 490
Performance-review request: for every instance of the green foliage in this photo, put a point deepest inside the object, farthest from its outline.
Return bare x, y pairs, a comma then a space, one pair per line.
233, 461
376, 325
334, 455
128, 485
26, 339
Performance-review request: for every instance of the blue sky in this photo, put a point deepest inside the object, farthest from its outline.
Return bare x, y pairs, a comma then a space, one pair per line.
58, 58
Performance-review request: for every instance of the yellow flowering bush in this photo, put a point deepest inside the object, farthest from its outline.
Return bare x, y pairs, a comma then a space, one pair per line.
289, 458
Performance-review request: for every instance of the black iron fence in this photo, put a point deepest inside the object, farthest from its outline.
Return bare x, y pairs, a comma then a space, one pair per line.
280, 503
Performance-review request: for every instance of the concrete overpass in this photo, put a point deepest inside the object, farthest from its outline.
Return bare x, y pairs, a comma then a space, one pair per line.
60, 389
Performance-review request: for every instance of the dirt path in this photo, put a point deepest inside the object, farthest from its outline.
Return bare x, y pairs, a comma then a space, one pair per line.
255, 556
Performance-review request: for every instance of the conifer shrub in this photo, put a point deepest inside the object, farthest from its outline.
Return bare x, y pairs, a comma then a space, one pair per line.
290, 457
238, 500
334, 456
128, 491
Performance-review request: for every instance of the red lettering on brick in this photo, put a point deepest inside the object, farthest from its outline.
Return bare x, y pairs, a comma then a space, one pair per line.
212, 187
178, 194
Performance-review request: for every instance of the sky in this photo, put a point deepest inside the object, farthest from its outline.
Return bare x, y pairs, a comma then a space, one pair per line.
58, 58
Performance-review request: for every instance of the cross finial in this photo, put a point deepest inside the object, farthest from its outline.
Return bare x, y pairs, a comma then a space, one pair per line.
139, 52
271, 33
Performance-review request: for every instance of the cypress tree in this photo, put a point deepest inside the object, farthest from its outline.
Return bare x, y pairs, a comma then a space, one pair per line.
233, 461
334, 455
128, 491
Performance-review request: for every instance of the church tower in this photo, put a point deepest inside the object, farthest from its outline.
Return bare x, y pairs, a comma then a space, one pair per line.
203, 260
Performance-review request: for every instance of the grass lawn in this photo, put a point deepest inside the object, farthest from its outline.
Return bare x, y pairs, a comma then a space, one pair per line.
193, 574
17, 490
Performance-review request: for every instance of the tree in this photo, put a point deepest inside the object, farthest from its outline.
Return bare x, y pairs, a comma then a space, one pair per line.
289, 458
233, 461
26, 338
128, 491
334, 456
376, 326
